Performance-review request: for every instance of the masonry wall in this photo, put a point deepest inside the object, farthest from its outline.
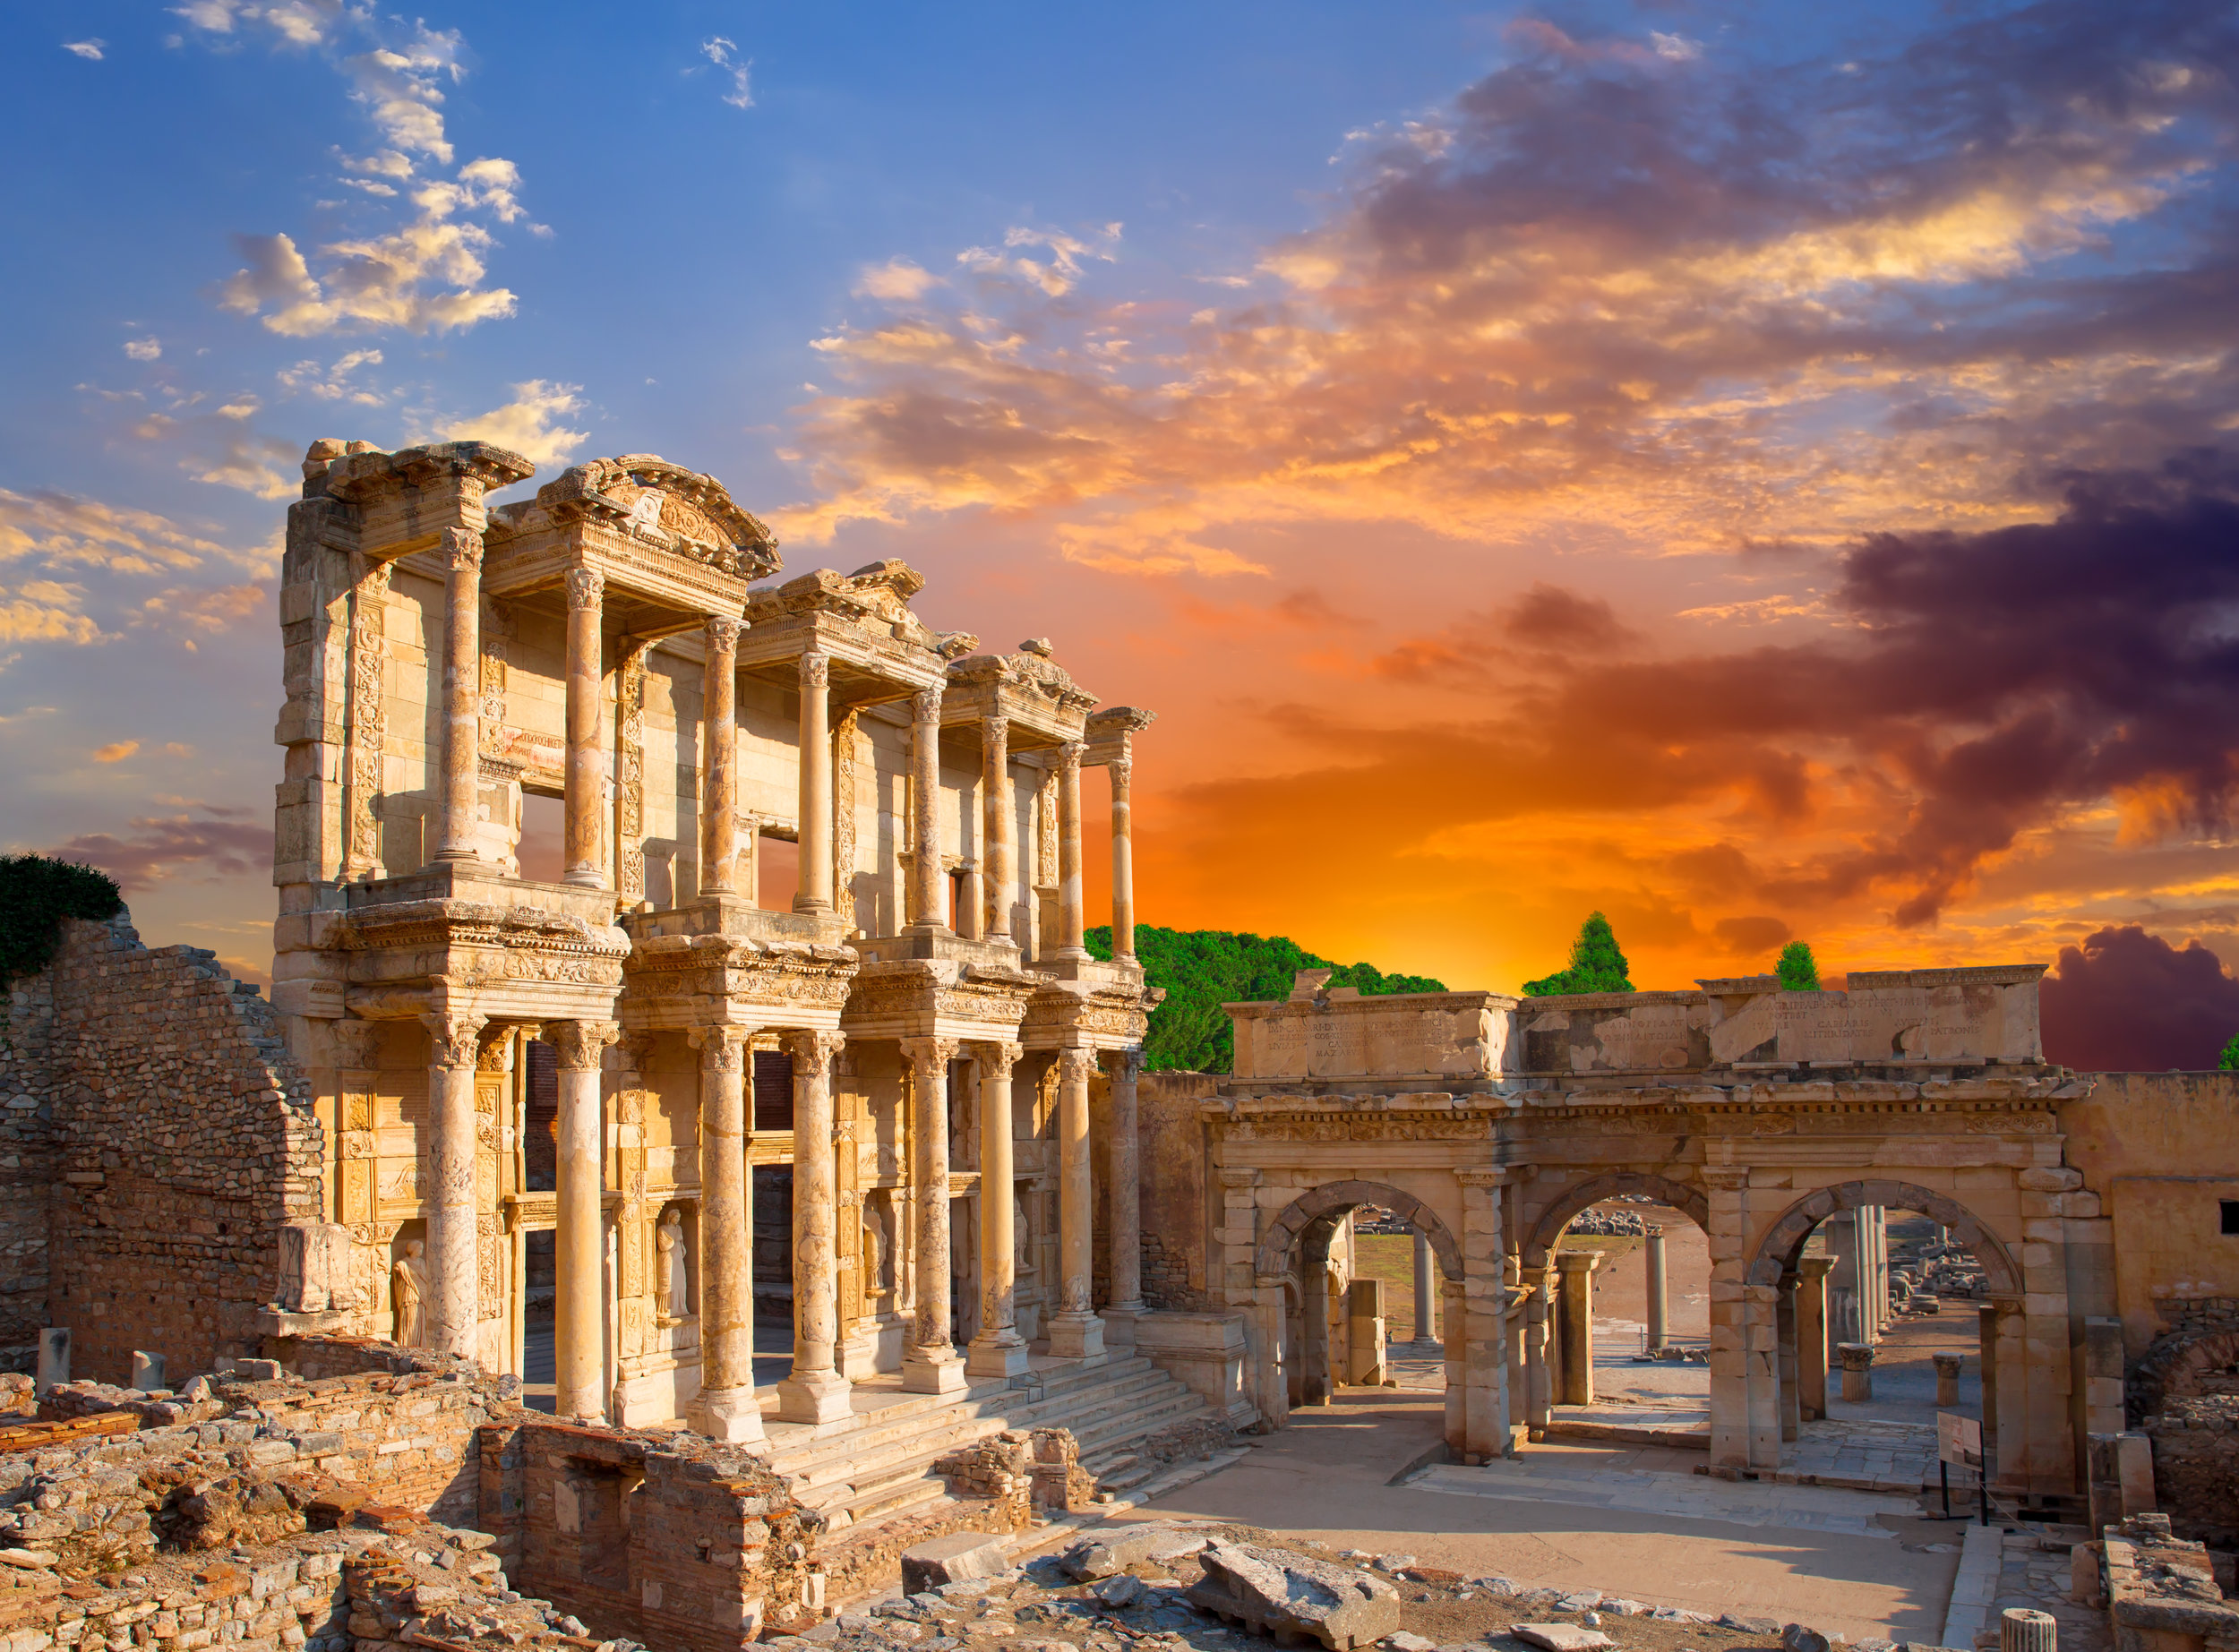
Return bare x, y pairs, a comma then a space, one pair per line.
27, 1152
1178, 1213
181, 1139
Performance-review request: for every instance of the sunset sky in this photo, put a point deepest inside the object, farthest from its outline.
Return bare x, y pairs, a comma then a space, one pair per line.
1763, 471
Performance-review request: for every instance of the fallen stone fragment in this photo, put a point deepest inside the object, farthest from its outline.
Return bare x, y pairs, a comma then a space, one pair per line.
1180, 1547
1559, 1637
1280, 1593
1502, 1586
1394, 1563
960, 1557
1116, 1550
1799, 1638
1754, 1626
1405, 1642
1123, 1590
31, 1560
1579, 1600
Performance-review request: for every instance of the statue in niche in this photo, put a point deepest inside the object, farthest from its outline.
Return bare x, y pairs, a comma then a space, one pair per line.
875, 1251
407, 1283
1022, 1236
671, 1292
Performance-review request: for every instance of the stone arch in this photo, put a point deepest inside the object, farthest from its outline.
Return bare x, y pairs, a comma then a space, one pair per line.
2174, 1365
1335, 1198
1692, 1201
1777, 1253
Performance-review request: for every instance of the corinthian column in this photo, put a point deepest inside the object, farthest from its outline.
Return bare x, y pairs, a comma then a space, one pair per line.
1072, 922
925, 870
816, 1392
718, 773
1075, 1330
578, 1248
726, 1408
586, 781
1127, 1305
997, 1351
932, 1367
1123, 859
453, 1306
815, 894
1002, 829
456, 813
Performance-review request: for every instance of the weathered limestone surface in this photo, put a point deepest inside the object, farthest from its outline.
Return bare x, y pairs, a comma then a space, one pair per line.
1283, 1594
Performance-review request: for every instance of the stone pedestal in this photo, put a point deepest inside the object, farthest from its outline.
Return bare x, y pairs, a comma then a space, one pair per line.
1857, 1369
147, 1371
1947, 1378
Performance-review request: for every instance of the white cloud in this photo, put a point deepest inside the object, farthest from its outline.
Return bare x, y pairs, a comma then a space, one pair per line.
1057, 278
528, 424
723, 53
91, 50
897, 279
1674, 47
332, 383
143, 350
63, 530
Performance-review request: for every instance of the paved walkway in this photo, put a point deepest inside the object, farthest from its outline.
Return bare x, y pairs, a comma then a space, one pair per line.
1576, 1520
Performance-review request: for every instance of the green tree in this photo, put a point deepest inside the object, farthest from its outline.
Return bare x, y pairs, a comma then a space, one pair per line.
1597, 964
2229, 1060
1200, 970
1799, 971
36, 894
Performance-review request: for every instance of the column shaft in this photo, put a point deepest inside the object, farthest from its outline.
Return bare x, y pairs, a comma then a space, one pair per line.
719, 759
578, 1246
458, 817
1072, 915
453, 1306
926, 871
815, 893
1123, 861
1484, 1305
1658, 1291
1124, 1162
1811, 1338
999, 812
1577, 1268
1075, 1330
1423, 1331
725, 1408
997, 1351
932, 1367
585, 807
815, 1392
1457, 1360
1539, 1401
1786, 1328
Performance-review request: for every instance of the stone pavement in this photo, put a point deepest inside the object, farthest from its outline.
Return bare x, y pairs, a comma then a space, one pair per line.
1330, 1475
1865, 1455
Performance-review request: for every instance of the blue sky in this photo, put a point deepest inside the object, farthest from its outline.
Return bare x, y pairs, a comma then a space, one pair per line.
1306, 370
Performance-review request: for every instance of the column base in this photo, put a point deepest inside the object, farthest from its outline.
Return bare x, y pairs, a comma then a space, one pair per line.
729, 1415
815, 1396
1119, 1323
1077, 1336
986, 1357
932, 1371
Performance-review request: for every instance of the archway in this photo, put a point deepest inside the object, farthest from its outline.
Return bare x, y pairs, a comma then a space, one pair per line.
1336, 1198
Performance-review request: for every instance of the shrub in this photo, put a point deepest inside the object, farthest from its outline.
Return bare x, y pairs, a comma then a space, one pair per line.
36, 894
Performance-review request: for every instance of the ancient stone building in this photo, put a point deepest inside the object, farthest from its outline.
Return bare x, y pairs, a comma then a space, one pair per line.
636, 903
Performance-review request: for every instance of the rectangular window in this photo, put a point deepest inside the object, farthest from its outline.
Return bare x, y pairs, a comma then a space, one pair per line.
2231, 1216
773, 1090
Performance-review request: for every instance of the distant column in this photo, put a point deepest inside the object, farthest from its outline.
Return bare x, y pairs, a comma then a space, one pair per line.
585, 783
1075, 1330
997, 1351
1122, 770
1658, 1292
578, 1246
458, 819
1426, 1334
453, 1306
725, 1408
1072, 919
925, 870
1000, 814
718, 759
1123, 1165
815, 1392
815, 888
932, 1367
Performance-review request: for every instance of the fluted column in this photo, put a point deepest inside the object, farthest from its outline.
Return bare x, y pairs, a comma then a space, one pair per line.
1658, 1292
454, 1308
1075, 1330
1000, 814
1072, 918
585, 806
815, 1392
997, 1351
726, 1408
932, 1367
718, 759
925, 868
1122, 857
1124, 1163
458, 815
1425, 1334
815, 889
578, 1246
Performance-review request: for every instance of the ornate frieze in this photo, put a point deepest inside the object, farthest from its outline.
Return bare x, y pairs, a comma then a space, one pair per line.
367, 735
629, 770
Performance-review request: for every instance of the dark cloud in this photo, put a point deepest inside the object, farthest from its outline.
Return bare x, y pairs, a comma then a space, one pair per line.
2128, 1001
212, 842
1547, 619
1746, 934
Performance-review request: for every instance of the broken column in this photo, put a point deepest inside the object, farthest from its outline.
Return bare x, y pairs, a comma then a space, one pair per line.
1857, 1369
1947, 1377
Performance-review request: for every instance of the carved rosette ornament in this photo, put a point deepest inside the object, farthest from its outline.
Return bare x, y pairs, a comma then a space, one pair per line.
587, 588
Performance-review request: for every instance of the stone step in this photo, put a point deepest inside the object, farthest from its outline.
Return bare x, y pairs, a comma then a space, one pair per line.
887, 1504
1127, 1428
1127, 1479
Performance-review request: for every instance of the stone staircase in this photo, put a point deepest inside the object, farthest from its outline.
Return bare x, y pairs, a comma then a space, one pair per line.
878, 1464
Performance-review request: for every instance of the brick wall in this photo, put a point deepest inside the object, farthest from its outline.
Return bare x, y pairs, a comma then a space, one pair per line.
1175, 1202
26, 1166
183, 1139
2196, 1468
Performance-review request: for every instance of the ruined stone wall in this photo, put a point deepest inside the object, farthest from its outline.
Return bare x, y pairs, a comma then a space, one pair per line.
27, 1152
1178, 1212
2196, 1466
183, 1139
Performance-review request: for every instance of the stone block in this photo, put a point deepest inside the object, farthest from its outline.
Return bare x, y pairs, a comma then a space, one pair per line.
957, 1558
1283, 1594
1559, 1637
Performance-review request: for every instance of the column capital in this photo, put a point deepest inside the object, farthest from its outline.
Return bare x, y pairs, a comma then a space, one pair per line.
1075, 1066
1001, 1057
581, 1043
925, 705
1069, 754
456, 1036
1125, 1063
1577, 1261
587, 588
816, 669
461, 549
810, 1045
723, 632
930, 1054
1815, 1267
355, 1043
722, 1048
1122, 772
995, 731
